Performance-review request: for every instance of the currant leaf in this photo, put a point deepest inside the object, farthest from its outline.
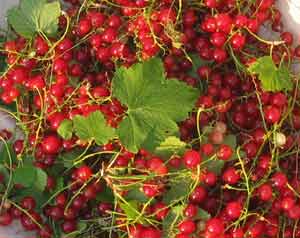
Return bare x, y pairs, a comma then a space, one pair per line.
65, 129
35, 16
170, 222
93, 127
179, 190
216, 166
171, 145
154, 103
30, 176
272, 78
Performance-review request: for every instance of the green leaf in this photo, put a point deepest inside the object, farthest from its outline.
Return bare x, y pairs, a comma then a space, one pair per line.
170, 222
230, 140
33, 16
93, 127
202, 215
179, 190
30, 177
152, 102
4, 172
171, 145
106, 195
214, 165
25, 176
69, 157
136, 195
40, 180
65, 129
131, 209
49, 18
272, 78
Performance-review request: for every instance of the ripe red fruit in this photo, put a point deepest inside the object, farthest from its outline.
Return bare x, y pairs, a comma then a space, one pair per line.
192, 159
84, 26
198, 195
238, 41
29, 223
272, 114
157, 166
5, 219
51, 144
191, 210
135, 231
265, 192
224, 152
234, 210
69, 226
28, 203
83, 173
288, 203
151, 189
231, 176
160, 210
187, 227
207, 149
150, 232
215, 227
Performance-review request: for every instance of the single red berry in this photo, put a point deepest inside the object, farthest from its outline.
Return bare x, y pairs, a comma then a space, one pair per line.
192, 159
83, 173
234, 210
231, 176
28, 203
215, 227
272, 114
191, 210
224, 152
265, 192
187, 227
198, 195
51, 144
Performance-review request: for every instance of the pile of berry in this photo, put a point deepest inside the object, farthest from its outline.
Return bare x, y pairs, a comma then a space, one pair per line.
150, 119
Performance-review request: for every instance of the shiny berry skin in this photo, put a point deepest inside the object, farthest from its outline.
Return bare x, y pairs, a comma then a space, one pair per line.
187, 227
234, 210
231, 176
84, 26
192, 159
150, 232
279, 179
218, 39
83, 173
150, 190
191, 210
51, 144
265, 192
238, 41
160, 210
224, 152
215, 227
288, 203
157, 165
198, 195
272, 114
